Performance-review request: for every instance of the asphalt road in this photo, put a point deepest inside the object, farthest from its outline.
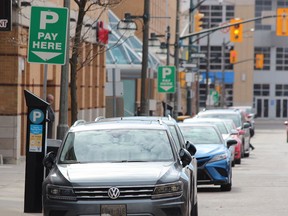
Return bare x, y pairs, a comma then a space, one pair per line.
260, 183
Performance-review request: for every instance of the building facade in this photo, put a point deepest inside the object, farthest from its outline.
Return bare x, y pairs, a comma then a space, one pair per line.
18, 75
93, 88
264, 89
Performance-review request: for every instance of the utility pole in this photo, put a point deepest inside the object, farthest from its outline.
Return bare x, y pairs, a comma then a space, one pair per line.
177, 95
62, 127
189, 88
207, 65
144, 108
167, 96
223, 74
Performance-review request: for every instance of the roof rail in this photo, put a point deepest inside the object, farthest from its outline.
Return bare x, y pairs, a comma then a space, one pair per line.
160, 121
169, 117
78, 122
99, 118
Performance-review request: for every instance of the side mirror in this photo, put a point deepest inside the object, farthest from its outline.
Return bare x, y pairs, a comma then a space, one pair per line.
191, 148
286, 122
185, 157
231, 142
246, 125
49, 160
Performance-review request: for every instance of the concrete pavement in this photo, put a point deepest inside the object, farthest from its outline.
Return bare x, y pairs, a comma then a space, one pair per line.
12, 184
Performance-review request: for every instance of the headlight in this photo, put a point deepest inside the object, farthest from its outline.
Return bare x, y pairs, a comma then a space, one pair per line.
168, 190
218, 157
60, 192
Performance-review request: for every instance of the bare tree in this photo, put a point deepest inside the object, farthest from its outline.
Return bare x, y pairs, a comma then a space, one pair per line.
84, 6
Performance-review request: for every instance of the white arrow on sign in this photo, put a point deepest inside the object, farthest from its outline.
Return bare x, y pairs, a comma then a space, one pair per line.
46, 56
166, 88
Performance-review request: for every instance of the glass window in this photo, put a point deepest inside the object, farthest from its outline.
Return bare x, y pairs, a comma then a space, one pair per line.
175, 137
198, 135
281, 59
261, 90
262, 5
117, 145
281, 90
120, 55
215, 58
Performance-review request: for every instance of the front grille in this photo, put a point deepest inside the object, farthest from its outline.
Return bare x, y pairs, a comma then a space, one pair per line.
101, 193
202, 161
222, 171
202, 176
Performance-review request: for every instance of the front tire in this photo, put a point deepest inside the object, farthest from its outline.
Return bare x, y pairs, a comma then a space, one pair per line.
226, 187
195, 210
238, 161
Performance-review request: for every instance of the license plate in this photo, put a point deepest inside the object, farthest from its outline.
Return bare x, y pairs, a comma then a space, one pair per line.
113, 210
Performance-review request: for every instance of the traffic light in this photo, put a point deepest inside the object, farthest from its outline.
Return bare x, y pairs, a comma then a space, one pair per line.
236, 31
259, 61
198, 21
282, 22
182, 77
233, 56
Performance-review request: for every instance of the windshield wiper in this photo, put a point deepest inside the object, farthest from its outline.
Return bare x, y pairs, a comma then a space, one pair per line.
126, 161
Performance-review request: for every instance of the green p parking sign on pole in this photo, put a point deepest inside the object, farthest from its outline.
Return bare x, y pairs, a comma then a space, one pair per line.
47, 35
166, 79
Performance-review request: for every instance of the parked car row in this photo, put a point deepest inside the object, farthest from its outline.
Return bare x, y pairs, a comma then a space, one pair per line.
222, 138
142, 165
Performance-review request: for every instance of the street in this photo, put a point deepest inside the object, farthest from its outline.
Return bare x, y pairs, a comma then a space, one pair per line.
260, 183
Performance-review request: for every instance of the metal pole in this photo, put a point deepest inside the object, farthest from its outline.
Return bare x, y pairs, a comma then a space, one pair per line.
207, 67
62, 127
223, 74
114, 92
167, 97
177, 100
45, 82
144, 109
189, 88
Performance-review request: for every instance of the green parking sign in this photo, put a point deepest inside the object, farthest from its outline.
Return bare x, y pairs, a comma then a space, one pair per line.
166, 79
48, 35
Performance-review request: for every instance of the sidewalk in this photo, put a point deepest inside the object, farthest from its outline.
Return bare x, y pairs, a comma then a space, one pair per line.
12, 187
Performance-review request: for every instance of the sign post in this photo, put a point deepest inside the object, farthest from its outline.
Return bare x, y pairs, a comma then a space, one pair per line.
48, 35
166, 79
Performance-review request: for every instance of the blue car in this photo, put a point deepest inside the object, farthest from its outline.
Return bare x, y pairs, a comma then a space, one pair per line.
213, 155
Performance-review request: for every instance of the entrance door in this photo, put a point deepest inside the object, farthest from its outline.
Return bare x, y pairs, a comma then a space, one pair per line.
129, 87
281, 108
262, 107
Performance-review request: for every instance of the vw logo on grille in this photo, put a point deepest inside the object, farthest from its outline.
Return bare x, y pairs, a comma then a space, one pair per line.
113, 193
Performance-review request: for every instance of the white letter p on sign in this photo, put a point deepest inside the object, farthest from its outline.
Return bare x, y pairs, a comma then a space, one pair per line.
47, 17
166, 72
36, 115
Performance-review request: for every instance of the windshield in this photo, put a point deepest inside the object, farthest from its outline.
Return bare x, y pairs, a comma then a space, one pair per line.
116, 145
201, 135
235, 117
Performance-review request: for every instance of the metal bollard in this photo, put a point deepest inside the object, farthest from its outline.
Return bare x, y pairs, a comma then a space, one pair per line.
286, 123
1, 159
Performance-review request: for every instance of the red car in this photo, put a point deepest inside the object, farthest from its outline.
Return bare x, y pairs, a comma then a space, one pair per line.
238, 147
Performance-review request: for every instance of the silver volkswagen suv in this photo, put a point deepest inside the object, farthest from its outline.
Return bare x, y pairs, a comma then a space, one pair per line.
118, 168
